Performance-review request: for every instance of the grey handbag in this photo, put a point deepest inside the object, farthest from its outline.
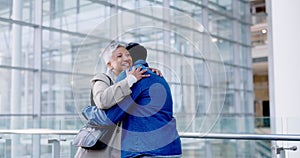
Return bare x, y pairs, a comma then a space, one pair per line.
94, 137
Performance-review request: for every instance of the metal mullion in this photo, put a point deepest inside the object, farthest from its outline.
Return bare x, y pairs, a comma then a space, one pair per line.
65, 72
17, 68
37, 77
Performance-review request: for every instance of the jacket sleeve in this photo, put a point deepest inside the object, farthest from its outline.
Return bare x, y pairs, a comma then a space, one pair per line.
96, 116
106, 95
114, 114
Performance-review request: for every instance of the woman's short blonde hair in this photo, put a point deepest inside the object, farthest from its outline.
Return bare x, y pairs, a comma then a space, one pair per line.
107, 53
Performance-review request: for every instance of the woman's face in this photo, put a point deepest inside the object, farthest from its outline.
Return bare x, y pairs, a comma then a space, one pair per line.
120, 60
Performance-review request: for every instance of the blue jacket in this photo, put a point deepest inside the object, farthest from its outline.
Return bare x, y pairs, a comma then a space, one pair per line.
149, 127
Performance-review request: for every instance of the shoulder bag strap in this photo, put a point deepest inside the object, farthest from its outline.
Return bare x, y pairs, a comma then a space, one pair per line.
91, 96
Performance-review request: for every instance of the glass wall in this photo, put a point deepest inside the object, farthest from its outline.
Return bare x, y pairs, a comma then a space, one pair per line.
50, 49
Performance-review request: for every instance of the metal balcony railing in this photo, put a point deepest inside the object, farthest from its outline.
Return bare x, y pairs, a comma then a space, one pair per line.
259, 18
276, 150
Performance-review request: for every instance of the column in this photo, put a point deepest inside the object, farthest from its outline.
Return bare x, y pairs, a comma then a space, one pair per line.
16, 86
36, 144
284, 75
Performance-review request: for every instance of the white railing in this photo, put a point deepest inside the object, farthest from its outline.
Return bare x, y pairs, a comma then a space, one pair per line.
277, 151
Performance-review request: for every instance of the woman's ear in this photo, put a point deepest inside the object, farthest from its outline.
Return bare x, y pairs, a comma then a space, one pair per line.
109, 65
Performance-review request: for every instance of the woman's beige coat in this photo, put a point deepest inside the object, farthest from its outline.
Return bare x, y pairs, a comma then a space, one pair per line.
105, 96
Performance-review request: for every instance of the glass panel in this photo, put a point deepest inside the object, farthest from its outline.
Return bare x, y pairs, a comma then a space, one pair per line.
5, 8
216, 148
192, 110
202, 74
245, 79
138, 4
221, 5
57, 94
28, 11
198, 15
243, 102
18, 41
27, 47
249, 101
229, 103
189, 7
61, 122
242, 10
73, 16
220, 25
5, 45
16, 99
24, 12
244, 56
5, 84
201, 100
259, 18
230, 76
176, 69
245, 31
226, 50
188, 75
26, 141
60, 51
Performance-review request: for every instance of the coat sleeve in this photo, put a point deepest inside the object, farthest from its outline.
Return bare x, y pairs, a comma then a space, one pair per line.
114, 114
106, 95
110, 116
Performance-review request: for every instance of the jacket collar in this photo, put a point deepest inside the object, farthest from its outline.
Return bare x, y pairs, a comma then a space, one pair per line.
111, 74
142, 62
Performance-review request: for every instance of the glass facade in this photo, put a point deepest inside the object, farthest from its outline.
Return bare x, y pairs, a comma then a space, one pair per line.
50, 49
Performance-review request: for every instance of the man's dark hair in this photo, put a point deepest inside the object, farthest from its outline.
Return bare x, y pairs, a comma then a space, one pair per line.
136, 51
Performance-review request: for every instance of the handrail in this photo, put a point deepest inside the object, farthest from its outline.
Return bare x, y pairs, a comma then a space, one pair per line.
276, 150
39, 131
243, 136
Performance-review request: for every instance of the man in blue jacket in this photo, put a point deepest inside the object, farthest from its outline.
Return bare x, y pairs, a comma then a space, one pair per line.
149, 128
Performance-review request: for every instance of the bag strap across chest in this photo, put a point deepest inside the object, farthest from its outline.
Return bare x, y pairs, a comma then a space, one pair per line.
91, 95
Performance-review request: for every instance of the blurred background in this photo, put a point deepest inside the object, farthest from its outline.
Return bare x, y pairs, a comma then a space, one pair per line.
215, 54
